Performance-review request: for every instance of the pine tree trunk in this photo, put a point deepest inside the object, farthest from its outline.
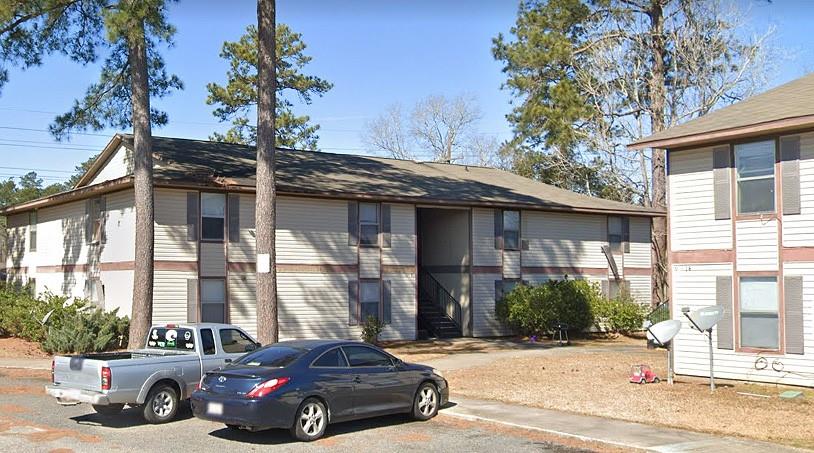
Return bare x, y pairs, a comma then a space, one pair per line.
265, 218
143, 181
657, 95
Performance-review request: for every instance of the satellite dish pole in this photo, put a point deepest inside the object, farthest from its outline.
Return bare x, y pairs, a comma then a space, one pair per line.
703, 320
661, 335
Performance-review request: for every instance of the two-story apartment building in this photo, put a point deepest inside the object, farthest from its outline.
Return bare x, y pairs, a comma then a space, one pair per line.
741, 234
422, 246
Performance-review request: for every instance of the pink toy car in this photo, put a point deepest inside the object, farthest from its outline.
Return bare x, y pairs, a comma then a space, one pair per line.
642, 374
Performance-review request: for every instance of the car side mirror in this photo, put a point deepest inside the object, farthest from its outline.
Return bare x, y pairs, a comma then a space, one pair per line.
397, 362
251, 347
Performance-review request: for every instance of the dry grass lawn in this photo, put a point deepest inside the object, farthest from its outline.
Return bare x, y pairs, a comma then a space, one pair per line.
595, 382
17, 348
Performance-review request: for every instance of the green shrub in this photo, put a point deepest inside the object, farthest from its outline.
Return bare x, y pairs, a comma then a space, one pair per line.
620, 315
90, 330
21, 314
371, 328
533, 310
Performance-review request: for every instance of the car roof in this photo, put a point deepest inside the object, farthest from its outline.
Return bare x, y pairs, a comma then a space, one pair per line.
313, 344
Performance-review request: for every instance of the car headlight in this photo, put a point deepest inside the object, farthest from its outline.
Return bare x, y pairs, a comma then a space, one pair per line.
437, 372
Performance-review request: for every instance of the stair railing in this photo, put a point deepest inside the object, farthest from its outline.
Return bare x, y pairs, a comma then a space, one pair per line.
439, 296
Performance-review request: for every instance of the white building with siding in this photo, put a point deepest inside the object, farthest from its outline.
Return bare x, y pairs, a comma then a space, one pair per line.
741, 235
425, 247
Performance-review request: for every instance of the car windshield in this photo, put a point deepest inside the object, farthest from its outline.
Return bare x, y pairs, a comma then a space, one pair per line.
271, 357
171, 338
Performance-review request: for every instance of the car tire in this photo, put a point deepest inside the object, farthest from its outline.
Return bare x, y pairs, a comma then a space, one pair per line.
656, 380
108, 409
426, 401
161, 404
310, 421
233, 427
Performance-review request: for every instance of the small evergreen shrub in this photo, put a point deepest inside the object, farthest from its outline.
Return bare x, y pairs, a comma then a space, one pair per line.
620, 315
533, 310
21, 314
371, 329
91, 330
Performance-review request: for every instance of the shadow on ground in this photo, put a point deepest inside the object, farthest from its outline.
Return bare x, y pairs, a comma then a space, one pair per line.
129, 417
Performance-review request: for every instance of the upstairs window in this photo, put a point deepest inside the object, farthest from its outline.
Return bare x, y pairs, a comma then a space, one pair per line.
32, 231
369, 224
754, 163
213, 216
511, 230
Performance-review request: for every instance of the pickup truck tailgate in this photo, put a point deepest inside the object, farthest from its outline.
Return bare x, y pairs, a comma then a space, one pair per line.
78, 373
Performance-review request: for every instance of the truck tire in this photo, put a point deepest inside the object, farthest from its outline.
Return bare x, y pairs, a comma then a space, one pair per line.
161, 404
109, 409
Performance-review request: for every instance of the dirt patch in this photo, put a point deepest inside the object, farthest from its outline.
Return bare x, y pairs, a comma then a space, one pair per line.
61, 450
17, 348
328, 442
45, 433
596, 383
412, 437
26, 373
21, 390
536, 436
12, 409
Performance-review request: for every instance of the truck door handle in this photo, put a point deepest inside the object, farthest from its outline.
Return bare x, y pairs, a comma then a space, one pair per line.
357, 380
227, 360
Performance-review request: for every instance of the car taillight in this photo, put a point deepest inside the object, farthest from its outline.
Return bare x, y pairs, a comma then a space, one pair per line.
107, 378
53, 367
263, 389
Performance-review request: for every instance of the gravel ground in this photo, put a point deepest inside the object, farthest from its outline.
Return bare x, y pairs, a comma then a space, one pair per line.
31, 421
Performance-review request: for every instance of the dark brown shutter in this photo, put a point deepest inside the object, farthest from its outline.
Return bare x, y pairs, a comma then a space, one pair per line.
233, 201
721, 163
192, 216
353, 303
524, 244
498, 292
723, 298
793, 302
353, 223
790, 174
103, 216
626, 234
192, 300
88, 220
386, 301
386, 226
499, 229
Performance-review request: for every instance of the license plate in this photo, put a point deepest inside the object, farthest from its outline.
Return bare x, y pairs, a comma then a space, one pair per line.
214, 408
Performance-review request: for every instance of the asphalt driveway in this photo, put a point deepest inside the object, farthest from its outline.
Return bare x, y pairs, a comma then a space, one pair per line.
31, 421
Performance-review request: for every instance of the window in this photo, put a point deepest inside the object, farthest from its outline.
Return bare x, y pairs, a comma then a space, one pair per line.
95, 291
368, 224
213, 216
272, 357
97, 220
234, 341
207, 341
615, 234
511, 230
331, 359
362, 356
755, 173
369, 298
32, 231
759, 316
169, 338
213, 300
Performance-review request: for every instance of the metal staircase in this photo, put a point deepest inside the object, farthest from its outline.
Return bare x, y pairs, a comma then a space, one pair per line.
439, 314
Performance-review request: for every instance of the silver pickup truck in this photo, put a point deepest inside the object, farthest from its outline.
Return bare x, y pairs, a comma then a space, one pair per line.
157, 377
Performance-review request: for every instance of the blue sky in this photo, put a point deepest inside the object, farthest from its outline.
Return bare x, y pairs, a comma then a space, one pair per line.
374, 52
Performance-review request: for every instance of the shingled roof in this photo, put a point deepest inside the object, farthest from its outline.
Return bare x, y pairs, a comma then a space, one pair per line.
786, 107
199, 163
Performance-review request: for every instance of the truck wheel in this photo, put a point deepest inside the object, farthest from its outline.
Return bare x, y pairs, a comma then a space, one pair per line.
109, 409
161, 404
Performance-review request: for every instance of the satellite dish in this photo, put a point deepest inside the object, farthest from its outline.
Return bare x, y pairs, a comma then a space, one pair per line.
705, 318
46, 317
663, 332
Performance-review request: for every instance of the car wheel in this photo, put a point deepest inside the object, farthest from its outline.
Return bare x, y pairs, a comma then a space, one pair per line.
109, 409
311, 420
656, 380
426, 401
161, 404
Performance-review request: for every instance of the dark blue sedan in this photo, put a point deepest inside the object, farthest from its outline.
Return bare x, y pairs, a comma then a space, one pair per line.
304, 385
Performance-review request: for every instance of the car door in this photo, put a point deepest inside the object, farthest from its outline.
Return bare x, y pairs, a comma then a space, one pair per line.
333, 377
234, 343
378, 387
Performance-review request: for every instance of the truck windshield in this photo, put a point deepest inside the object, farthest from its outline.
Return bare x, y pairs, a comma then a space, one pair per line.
272, 357
171, 339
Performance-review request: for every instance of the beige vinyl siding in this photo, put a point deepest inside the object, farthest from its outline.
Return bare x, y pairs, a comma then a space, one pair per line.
402, 307
640, 288
485, 322
313, 231
118, 286
694, 287
242, 301
483, 239
692, 204
402, 249
118, 165
171, 242
639, 255
511, 264
243, 251
213, 259
120, 227
757, 245
314, 306
369, 262
798, 230
170, 296
564, 240
17, 241
61, 234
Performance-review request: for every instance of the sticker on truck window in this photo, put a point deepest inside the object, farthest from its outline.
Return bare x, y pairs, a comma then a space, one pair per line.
171, 338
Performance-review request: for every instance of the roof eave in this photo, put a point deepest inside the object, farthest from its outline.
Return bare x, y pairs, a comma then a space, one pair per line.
704, 138
71, 195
